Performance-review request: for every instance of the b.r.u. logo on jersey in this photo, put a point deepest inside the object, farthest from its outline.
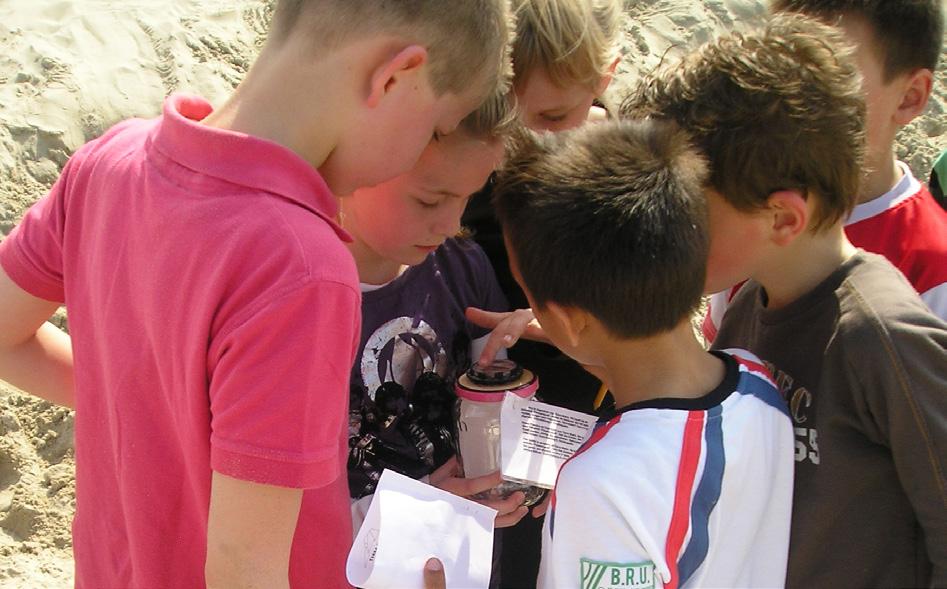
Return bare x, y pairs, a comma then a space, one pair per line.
612, 575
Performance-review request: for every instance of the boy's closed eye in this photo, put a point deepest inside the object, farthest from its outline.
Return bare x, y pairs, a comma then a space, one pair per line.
428, 203
553, 117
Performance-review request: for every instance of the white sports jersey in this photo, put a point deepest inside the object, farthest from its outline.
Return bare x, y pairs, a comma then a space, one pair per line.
679, 493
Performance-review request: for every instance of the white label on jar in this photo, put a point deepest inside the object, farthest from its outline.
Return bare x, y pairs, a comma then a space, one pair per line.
537, 438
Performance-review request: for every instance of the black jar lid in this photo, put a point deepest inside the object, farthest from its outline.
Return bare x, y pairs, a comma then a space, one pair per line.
495, 373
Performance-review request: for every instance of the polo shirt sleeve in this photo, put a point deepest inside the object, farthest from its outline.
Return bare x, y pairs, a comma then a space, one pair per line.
279, 388
32, 255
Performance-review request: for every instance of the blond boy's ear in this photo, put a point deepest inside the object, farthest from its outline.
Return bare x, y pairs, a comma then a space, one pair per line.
395, 70
917, 91
789, 212
607, 78
572, 322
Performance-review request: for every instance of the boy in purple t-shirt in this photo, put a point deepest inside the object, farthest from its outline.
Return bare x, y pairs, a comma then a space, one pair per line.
201, 266
417, 277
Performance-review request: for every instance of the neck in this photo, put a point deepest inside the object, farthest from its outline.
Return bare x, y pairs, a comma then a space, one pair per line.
670, 365
804, 264
883, 174
291, 99
373, 268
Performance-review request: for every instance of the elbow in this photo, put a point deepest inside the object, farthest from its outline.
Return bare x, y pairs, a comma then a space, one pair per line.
228, 567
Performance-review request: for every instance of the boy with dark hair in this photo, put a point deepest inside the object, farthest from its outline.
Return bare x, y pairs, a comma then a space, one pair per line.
607, 233
897, 46
858, 356
213, 306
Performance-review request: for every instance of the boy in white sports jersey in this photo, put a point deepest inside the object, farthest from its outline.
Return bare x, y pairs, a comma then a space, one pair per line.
689, 481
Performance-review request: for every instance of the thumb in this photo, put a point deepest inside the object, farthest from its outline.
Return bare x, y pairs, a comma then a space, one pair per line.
434, 575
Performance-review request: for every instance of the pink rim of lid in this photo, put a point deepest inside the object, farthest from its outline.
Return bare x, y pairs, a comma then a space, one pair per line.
524, 391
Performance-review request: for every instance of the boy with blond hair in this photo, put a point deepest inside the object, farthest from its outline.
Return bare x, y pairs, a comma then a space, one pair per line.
688, 481
417, 277
855, 352
564, 55
213, 306
897, 47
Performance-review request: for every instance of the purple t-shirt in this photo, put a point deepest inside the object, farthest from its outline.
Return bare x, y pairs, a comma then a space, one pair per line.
415, 342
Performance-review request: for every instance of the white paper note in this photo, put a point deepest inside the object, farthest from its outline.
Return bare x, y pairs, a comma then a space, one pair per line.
407, 523
537, 438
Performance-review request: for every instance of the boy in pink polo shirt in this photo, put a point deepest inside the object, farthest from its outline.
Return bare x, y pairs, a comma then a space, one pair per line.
213, 306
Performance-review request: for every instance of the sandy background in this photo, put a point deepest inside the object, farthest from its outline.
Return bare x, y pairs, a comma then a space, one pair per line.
70, 69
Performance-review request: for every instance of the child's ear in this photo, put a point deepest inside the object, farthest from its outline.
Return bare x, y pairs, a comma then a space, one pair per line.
607, 78
392, 70
917, 91
572, 320
789, 213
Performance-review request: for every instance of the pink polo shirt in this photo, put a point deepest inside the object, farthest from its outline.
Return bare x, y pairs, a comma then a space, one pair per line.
214, 314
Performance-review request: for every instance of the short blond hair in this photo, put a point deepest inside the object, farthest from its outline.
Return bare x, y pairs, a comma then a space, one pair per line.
575, 41
465, 38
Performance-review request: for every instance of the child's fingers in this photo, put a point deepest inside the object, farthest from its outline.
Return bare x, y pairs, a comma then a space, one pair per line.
512, 518
508, 331
495, 342
540, 510
508, 505
434, 575
467, 487
490, 348
445, 471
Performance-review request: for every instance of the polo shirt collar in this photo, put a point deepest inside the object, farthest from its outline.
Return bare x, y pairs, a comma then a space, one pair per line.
241, 159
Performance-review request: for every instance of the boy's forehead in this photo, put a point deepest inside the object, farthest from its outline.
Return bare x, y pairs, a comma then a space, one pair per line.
457, 165
863, 37
538, 89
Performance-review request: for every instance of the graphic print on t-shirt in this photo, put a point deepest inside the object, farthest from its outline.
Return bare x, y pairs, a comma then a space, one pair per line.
400, 351
401, 414
802, 409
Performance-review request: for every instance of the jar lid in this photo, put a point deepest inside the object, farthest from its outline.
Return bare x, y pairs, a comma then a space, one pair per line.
497, 372
524, 385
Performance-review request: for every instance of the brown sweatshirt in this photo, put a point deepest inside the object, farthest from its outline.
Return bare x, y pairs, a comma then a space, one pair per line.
863, 365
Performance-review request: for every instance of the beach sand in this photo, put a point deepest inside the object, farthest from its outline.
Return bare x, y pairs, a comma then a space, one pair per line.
69, 70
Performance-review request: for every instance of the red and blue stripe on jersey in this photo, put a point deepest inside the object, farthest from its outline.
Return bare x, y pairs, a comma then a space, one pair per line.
703, 435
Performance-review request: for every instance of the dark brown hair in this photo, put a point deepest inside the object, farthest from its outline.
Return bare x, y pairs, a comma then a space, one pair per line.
907, 34
777, 109
609, 218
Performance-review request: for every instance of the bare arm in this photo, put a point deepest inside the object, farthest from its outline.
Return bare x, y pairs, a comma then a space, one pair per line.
249, 534
34, 355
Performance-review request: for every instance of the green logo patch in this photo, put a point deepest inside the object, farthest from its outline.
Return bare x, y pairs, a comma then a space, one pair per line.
613, 575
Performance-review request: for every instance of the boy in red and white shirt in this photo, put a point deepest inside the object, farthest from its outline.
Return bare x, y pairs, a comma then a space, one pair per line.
897, 45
